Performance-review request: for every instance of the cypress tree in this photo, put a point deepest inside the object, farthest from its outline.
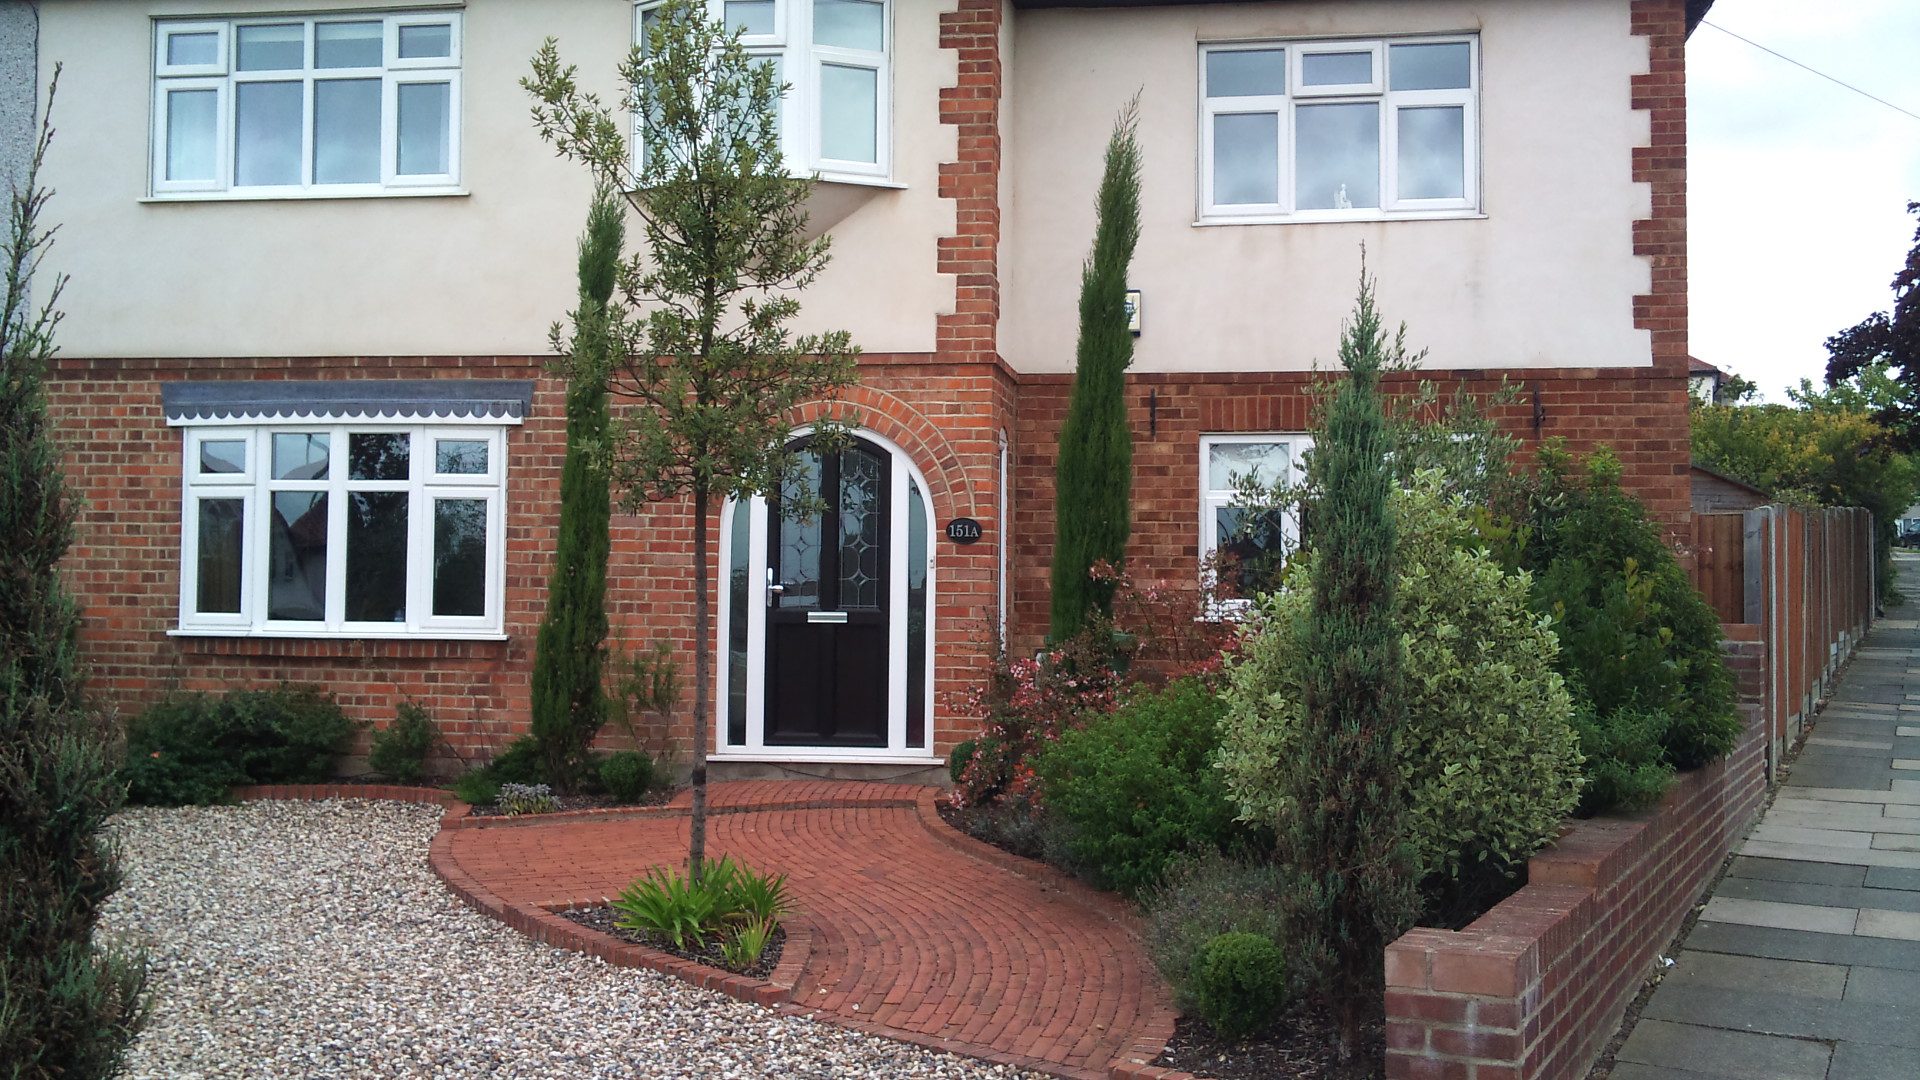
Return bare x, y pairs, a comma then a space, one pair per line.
68, 1008
1095, 471
1344, 843
569, 703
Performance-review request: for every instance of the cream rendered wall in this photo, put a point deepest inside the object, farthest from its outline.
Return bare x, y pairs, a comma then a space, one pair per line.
484, 273
1546, 278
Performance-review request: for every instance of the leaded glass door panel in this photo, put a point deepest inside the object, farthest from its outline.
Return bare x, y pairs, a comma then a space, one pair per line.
828, 597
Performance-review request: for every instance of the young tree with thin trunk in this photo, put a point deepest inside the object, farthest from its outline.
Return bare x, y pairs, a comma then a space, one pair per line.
68, 1006
569, 705
1095, 474
710, 377
1344, 842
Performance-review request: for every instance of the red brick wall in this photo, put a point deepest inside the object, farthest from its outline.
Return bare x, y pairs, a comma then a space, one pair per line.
125, 465
1640, 413
1536, 987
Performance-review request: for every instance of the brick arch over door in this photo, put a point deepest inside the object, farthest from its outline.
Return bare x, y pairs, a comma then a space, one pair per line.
954, 488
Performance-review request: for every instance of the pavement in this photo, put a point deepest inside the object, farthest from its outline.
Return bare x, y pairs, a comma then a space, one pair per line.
912, 929
1805, 963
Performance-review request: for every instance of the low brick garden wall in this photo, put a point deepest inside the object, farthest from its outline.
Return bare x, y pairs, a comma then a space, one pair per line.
1535, 988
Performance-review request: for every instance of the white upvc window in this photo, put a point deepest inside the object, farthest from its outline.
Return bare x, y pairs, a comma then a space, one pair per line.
343, 530
1339, 130
289, 106
836, 119
1255, 538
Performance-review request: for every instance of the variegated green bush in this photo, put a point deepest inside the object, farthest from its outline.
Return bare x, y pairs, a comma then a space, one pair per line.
1488, 750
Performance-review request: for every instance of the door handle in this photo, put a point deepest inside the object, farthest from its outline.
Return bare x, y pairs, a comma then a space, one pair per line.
775, 589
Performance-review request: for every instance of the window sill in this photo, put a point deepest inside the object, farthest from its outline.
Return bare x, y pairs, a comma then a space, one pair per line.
317, 196
805, 754
856, 180
1371, 219
215, 643
305, 635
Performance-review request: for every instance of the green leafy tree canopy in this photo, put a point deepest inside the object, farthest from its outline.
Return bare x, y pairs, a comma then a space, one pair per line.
711, 378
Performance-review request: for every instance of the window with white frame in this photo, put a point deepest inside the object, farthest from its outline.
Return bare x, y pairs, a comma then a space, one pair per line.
356, 530
295, 106
835, 120
1339, 130
1247, 543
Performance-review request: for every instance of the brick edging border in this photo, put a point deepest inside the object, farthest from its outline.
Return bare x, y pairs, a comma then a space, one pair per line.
544, 923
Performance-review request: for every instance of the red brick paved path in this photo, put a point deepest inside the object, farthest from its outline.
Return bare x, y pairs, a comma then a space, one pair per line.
915, 929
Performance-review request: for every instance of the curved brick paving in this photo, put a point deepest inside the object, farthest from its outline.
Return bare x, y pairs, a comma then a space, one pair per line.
914, 929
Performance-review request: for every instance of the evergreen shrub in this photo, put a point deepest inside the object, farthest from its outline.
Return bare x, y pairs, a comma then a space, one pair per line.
399, 751
1239, 983
1201, 899
1487, 751
627, 775
192, 749
1138, 789
1634, 633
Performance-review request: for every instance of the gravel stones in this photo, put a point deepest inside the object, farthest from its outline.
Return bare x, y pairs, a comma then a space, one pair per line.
310, 940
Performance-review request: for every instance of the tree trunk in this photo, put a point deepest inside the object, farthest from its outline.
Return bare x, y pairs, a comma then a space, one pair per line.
702, 676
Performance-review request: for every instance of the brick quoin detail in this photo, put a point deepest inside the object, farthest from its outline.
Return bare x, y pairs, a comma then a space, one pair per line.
972, 182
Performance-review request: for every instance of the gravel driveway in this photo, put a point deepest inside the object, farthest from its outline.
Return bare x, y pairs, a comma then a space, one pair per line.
308, 940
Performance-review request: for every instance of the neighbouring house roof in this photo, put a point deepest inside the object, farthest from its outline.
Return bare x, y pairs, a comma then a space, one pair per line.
1742, 484
251, 401
1696, 9
1697, 366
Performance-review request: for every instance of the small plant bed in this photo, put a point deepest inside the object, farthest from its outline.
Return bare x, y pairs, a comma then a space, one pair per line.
605, 919
563, 803
1297, 1046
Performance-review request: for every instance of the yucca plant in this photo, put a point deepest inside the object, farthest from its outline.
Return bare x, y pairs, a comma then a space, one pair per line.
741, 947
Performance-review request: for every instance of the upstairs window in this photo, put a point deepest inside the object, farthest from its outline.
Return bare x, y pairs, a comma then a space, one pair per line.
836, 118
289, 106
1339, 130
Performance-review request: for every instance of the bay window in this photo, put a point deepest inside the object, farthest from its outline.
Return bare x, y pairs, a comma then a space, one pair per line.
291, 106
303, 520
836, 117
1339, 130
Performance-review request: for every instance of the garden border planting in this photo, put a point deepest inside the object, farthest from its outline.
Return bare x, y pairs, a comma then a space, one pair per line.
1535, 988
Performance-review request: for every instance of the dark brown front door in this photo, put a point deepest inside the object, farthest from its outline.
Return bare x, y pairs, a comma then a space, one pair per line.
827, 640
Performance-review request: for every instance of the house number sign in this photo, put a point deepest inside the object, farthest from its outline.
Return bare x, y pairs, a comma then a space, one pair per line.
963, 531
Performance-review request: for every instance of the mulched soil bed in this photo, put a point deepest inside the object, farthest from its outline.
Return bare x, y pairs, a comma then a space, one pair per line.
587, 802
601, 919
1299, 1046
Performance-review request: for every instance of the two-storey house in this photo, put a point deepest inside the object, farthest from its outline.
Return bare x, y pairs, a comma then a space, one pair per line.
315, 247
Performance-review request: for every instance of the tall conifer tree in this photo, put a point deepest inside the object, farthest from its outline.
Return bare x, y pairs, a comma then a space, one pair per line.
569, 703
68, 1006
1345, 842
1094, 477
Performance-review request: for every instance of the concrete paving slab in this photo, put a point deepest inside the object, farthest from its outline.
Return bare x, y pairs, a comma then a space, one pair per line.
1864, 810
1907, 764
1634, 1070
1715, 1052
1795, 892
1896, 841
1880, 923
1882, 986
1865, 1061
1849, 742
1889, 877
1910, 787
1857, 821
1787, 834
1818, 920
1812, 873
1809, 791
1907, 731
1816, 853
1902, 812
1766, 1013
1794, 978
1744, 940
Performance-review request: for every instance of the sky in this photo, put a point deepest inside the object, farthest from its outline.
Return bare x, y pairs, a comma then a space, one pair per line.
1797, 188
